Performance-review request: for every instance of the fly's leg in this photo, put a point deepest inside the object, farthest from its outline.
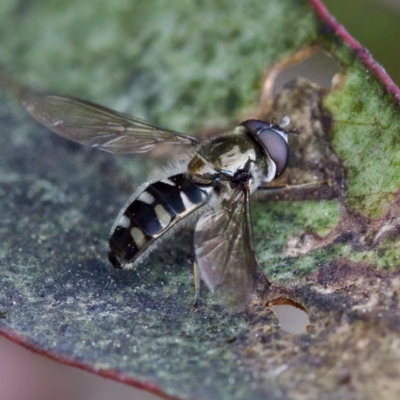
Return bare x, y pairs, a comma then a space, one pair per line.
287, 188
196, 285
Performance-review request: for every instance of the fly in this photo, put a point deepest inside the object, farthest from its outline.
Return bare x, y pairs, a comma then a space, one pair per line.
214, 186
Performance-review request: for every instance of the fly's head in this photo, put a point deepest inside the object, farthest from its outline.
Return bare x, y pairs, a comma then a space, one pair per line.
273, 141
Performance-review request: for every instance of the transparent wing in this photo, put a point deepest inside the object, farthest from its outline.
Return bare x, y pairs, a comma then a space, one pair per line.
93, 125
224, 251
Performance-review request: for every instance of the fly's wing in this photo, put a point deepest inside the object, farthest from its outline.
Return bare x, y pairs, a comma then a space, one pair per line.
93, 125
224, 252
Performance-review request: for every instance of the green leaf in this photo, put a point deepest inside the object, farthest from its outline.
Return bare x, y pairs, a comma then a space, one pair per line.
331, 250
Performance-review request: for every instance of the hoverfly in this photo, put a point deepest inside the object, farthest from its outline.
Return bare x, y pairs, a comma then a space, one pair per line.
214, 185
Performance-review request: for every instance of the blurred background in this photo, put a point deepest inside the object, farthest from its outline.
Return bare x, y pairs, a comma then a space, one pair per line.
25, 375
376, 25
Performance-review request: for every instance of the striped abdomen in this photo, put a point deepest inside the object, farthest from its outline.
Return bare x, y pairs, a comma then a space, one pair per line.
157, 209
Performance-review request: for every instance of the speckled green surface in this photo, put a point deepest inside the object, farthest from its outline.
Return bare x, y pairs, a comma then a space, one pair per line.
189, 66
278, 222
366, 136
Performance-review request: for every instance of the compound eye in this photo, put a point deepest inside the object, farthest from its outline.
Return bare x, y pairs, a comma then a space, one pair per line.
255, 126
273, 141
276, 147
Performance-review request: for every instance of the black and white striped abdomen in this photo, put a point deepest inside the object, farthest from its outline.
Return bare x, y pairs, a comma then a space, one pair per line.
157, 209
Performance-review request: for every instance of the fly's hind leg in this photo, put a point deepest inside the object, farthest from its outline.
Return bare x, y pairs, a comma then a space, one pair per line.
196, 285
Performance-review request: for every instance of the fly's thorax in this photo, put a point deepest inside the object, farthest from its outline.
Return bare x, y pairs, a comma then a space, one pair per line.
224, 156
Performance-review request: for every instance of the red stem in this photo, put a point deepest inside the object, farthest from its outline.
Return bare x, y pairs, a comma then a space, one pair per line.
361, 51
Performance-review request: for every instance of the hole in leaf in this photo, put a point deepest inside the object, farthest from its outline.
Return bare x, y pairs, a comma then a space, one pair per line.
312, 63
292, 316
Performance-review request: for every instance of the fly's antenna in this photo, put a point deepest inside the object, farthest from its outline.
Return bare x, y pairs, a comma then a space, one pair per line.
285, 122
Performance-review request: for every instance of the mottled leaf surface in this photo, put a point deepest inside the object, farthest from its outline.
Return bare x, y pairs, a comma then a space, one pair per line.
333, 249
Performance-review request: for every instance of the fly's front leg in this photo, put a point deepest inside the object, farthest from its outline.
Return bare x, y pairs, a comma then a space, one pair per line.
288, 188
316, 190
